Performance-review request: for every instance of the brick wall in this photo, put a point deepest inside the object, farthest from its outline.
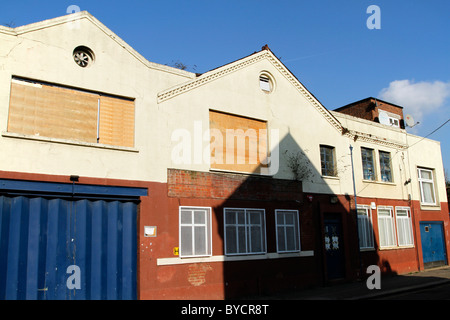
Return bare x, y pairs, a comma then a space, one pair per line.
369, 109
364, 110
390, 108
207, 185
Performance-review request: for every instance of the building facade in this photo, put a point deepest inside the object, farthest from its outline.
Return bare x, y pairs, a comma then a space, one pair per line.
125, 179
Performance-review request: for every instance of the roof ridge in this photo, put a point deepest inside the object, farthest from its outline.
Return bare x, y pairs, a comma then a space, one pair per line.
264, 53
210, 75
17, 31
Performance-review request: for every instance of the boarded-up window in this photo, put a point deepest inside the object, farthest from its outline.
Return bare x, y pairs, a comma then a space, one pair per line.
237, 143
56, 112
116, 121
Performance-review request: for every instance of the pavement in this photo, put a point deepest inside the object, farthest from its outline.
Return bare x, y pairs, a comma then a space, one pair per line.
358, 290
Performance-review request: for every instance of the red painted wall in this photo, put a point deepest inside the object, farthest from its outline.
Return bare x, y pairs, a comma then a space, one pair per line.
404, 260
219, 280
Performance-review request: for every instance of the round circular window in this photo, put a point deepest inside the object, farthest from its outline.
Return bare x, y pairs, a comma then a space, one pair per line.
83, 56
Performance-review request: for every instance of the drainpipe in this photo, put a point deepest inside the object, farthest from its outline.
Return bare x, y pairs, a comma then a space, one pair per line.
411, 203
356, 212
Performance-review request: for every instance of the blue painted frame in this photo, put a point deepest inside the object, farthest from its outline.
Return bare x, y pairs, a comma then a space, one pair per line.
70, 189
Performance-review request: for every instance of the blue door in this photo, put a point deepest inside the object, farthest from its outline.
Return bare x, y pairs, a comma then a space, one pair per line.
334, 251
61, 248
433, 244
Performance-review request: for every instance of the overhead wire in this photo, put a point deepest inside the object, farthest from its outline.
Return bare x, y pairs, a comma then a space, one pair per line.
429, 134
395, 154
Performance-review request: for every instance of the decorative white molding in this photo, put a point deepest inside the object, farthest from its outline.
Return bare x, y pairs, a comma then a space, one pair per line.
297, 84
362, 136
263, 54
210, 76
371, 138
267, 54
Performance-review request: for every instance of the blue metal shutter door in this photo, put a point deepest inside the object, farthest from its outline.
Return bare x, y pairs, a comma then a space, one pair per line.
41, 237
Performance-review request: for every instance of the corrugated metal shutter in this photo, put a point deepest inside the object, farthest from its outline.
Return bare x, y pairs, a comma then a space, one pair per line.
40, 237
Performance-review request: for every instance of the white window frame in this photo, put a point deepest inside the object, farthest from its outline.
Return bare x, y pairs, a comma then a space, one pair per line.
365, 162
324, 149
394, 122
266, 82
365, 228
247, 226
383, 165
295, 225
425, 180
192, 224
404, 222
387, 220
394, 119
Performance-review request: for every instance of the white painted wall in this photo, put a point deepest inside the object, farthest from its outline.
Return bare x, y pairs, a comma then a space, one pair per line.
43, 51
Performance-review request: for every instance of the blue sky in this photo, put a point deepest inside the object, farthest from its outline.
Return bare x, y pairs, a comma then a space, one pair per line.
325, 43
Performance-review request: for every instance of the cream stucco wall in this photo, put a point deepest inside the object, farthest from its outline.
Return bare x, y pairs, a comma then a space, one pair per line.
408, 152
170, 103
43, 51
286, 111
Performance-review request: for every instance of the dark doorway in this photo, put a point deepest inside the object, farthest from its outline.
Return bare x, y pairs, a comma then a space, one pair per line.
333, 245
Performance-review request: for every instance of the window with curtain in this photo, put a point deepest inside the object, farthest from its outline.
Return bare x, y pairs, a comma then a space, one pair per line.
287, 230
245, 231
426, 183
386, 227
195, 232
365, 228
404, 226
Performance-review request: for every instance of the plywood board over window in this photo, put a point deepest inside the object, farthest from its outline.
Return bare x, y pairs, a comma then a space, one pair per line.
52, 111
116, 121
237, 143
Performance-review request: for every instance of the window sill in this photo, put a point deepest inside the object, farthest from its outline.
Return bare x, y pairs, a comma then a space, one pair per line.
430, 207
366, 249
380, 182
196, 257
331, 177
223, 258
397, 248
68, 142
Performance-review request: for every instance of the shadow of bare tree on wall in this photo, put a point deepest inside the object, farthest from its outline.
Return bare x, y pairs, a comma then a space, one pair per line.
274, 236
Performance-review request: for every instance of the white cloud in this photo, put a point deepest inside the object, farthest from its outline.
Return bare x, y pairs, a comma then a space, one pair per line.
418, 99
